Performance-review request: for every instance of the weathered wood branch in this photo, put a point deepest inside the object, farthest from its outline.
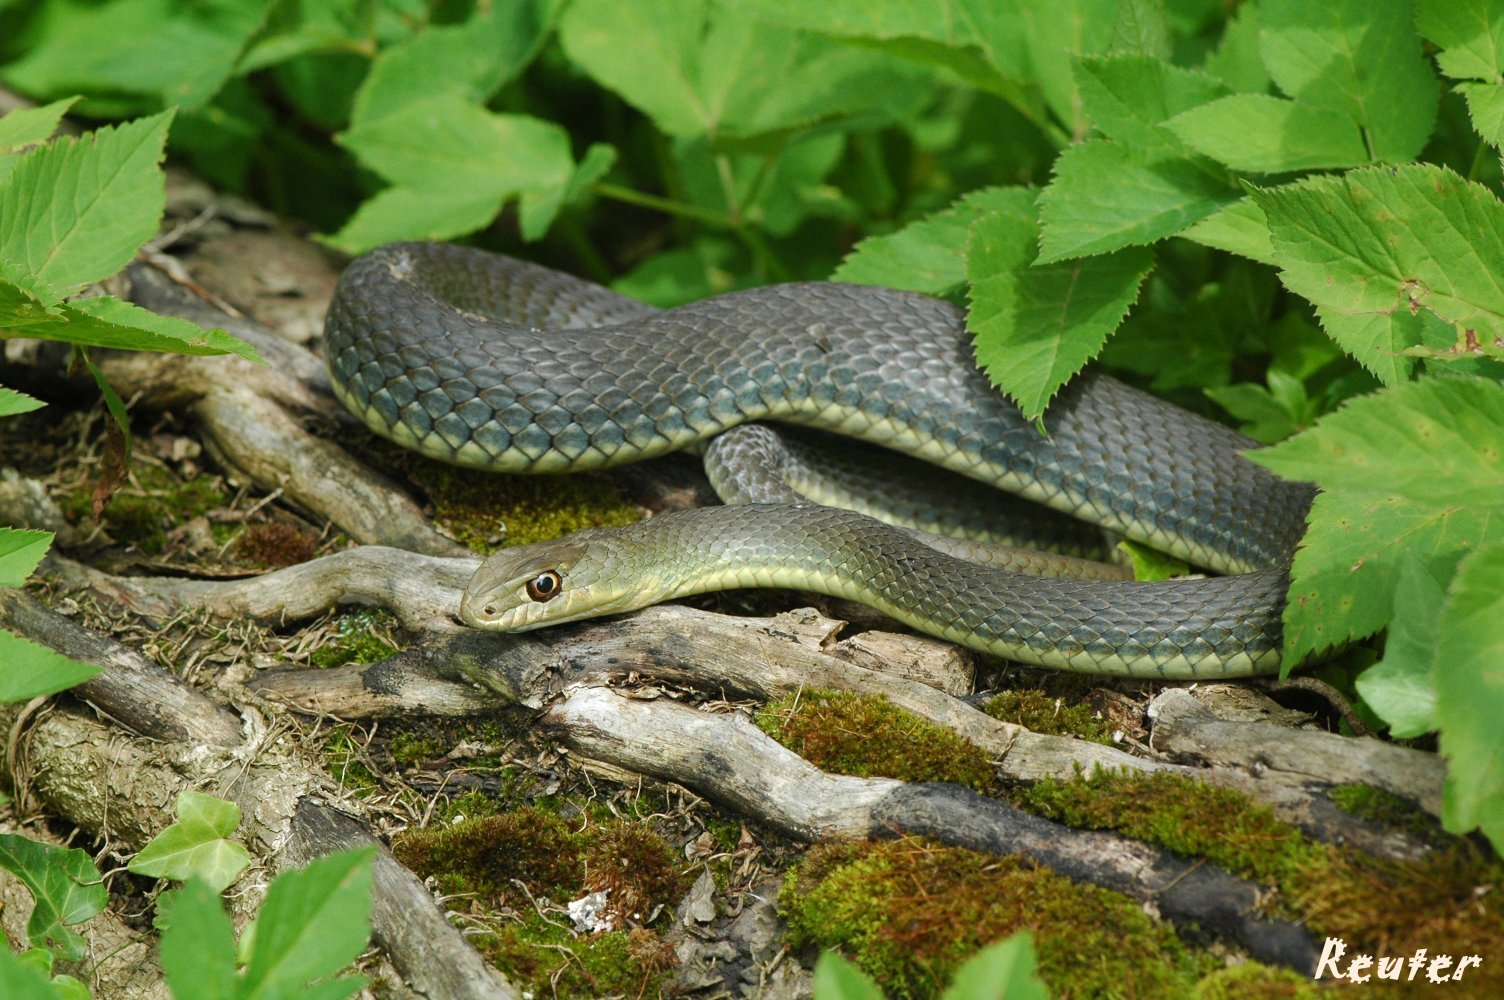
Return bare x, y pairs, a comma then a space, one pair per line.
727, 759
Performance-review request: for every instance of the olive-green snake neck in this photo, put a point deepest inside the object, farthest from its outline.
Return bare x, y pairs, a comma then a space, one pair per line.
490, 362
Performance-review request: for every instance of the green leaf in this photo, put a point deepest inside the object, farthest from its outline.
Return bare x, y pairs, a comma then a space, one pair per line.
197, 845
1470, 696
454, 165
21, 980
405, 213
1264, 134
65, 885
1105, 196
1236, 61
1401, 688
1151, 564
1128, 97
315, 921
30, 670
838, 979
473, 59
701, 70
930, 255
106, 199
13, 401
1469, 33
1485, 106
173, 52
21, 550
1411, 473
105, 321
1035, 327
1239, 228
1392, 258
538, 209
24, 126
1267, 414
1004, 970
1358, 58
197, 944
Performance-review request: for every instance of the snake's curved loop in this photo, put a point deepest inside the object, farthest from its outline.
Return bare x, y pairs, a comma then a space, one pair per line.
490, 362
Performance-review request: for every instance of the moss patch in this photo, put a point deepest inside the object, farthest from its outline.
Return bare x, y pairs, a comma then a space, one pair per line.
363, 636
152, 502
910, 913
486, 510
1040, 712
486, 857
1186, 816
1251, 981
871, 737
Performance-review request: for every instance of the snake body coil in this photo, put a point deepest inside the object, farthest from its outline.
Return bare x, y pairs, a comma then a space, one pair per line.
494, 363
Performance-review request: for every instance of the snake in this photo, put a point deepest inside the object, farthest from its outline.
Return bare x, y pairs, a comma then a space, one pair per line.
494, 363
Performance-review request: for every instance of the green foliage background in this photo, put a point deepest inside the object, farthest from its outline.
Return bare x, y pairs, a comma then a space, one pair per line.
1280, 213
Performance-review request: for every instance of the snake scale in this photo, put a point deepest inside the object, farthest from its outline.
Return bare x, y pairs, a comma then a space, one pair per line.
490, 362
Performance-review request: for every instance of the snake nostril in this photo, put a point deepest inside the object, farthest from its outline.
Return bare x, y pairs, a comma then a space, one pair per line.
489, 609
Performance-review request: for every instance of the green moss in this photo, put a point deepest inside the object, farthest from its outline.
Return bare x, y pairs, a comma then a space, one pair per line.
871, 737
479, 508
342, 756
910, 913
547, 960
153, 502
1186, 816
1252, 981
1378, 806
486, 856
409, 749
483, 856
1041, 713
363, 636
1453, 895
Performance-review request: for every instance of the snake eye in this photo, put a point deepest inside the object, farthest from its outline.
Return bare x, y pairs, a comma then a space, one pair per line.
545, 586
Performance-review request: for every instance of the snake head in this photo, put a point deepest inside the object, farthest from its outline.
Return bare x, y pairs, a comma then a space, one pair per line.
562, 580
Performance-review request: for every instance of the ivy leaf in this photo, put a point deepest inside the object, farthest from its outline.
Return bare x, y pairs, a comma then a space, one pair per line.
1393, 258
1401, 688
929, 255
106, 199
315, 921
1004, 969
1411, 473
197, 845
1264, 134
1357, 58
197, 944
836, 977
64, 883
1037, 326
1105, 196
1470, 696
